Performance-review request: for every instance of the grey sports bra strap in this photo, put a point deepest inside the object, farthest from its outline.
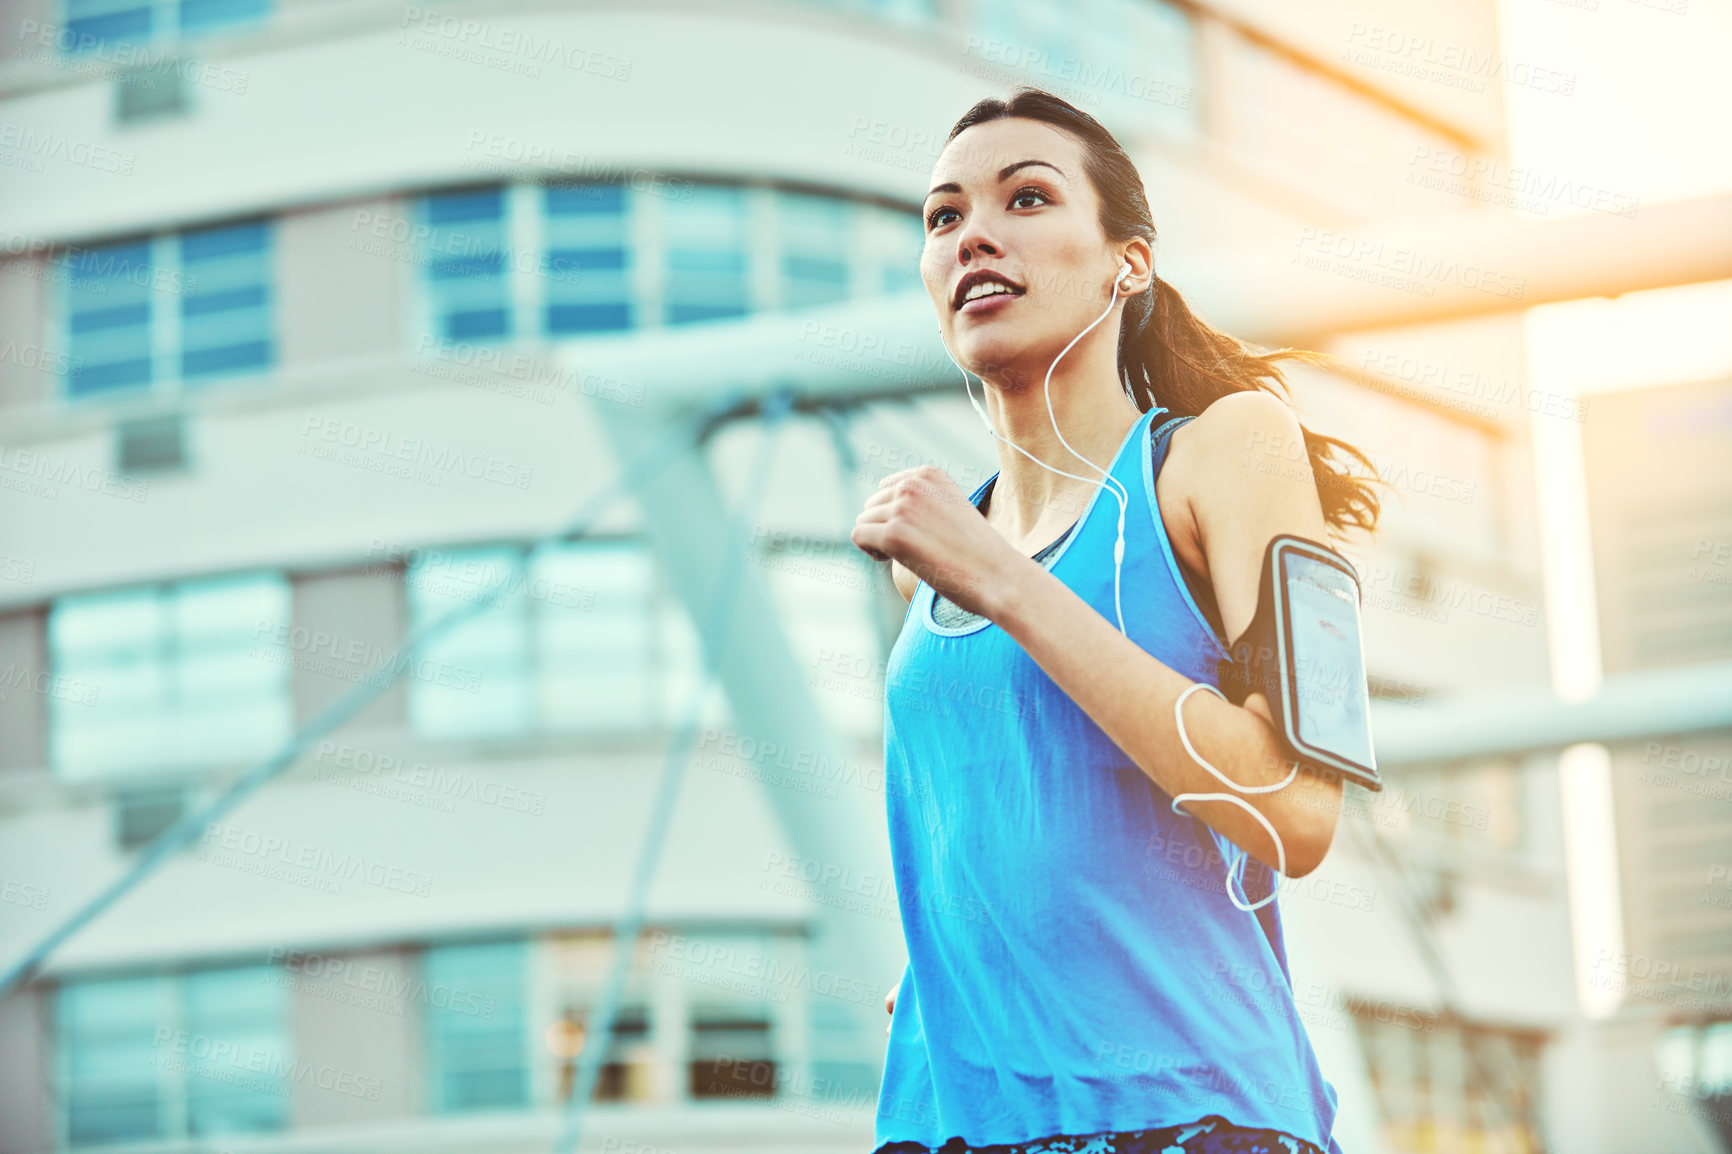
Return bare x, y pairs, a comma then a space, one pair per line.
1161, 438
1205, 598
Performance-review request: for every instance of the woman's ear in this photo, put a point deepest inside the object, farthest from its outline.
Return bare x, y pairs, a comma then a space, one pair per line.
1137, 262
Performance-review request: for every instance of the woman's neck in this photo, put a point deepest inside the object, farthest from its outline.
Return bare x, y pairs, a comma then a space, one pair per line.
1028, 499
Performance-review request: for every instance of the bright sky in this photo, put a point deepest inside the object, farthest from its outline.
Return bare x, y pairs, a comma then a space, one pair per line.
1650, 118
1649, 113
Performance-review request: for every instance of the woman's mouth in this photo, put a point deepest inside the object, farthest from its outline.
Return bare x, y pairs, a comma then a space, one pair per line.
990, 303
989, 291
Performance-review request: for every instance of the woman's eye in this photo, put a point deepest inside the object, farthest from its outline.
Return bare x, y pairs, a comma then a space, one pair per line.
1021, 193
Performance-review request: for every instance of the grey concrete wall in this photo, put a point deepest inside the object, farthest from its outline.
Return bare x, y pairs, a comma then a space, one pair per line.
26, 350
26, 1070
23, 711
338, 297
349, 1015
364, 612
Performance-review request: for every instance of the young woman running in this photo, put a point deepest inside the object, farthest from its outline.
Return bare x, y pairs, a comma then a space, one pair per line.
1094, 964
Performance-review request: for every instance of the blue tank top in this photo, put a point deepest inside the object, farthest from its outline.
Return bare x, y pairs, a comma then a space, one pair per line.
1074, 963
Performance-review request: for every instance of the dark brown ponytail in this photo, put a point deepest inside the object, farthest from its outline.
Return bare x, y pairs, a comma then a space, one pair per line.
1167, 354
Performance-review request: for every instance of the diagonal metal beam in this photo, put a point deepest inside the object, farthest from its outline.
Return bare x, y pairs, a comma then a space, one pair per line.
773, 706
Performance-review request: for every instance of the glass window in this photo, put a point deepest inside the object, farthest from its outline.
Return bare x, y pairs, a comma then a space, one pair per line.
588, 260
170, 676
738, 981
892, 245
680, 664
144, 1056
477, 1046
493, 642
101, 25
1036, 32
1129, 59
575, 966
200, 16
183, 306
238, 1051
814, 235
109, 1058
575, 268
467, 269
1444, 1085
895, 11
143, 815
628, 1072
705, 242
226, 312
93, 24
581, 636
596, 634
110, 307
1716, 1071
731, 1052
1695, 1063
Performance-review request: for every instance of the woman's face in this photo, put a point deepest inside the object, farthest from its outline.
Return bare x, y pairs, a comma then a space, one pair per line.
1011, 198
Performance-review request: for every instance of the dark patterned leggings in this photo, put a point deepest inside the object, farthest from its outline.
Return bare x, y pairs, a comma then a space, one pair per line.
1211, 1135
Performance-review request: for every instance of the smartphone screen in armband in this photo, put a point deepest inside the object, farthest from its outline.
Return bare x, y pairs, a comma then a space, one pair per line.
1330, 703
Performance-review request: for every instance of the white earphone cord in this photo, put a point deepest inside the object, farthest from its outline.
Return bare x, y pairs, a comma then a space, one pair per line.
1112, 485
1237, 869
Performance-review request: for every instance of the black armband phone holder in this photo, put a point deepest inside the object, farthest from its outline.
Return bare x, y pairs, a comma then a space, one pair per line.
1304, 652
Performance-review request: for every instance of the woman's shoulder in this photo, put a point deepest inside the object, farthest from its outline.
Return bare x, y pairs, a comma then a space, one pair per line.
1250, 431
1247, 415
1218, 464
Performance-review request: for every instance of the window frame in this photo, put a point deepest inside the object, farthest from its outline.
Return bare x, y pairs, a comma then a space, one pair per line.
663, 614
169, 649
173, 1093
166, 28
167, 384
433, 1075
867, 246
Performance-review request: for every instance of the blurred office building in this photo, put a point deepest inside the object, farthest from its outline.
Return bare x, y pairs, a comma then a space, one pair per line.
321, 322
